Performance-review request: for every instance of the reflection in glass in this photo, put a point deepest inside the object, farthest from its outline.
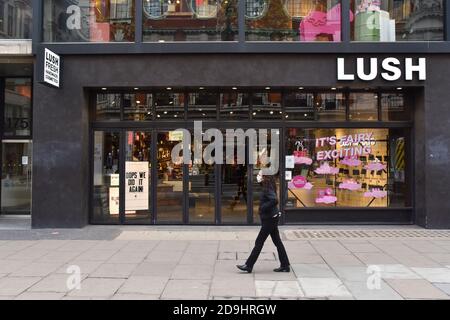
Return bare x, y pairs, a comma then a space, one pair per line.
169, 189
137, 107
299, 106
234, 106
365, 168
17, 121
201, 193
169, 106
398, 20
202, 105
106, 177
293, 20
108, 107
16, 177
363, 107
89, 21
190, 20
138, 177
330, 106
267, 105
15, 19
393, 107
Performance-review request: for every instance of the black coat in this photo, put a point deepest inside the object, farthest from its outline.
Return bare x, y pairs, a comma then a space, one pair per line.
268, 205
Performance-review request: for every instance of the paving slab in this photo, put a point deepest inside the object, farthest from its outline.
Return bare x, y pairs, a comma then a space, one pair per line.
442, 258
323, 287
416, 260
438, 275
329, 247
8, 266
37, 269
361, 247
186, 290
396, 271
157, 268
199, 258
342, 260
148, 285
285, 289
97, 288
245, 286
375, 258
227, 256
165, 256
13, 286
54, 283
361, 291
193, 272
124, 256
417, 289
444, 287
313, 271
306, 258
351, 273
86, 267
97, 254
114, 270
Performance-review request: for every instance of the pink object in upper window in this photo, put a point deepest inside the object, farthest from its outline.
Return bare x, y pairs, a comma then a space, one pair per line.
327, 24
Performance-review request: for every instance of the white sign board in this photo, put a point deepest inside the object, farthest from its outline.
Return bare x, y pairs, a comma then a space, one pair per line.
52, 68
290, 162
136, 185
114, 200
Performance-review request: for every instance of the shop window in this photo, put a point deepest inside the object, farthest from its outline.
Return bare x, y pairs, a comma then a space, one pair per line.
138, 107
17, 113
394, 107
169, 106
293, 20
89, 21
138, 177
347, 168
15, 19
108, 107
299, 106
190, 20
267, 105
234, 106
363, 107
398, 20
106, 180
202, 106
330, 106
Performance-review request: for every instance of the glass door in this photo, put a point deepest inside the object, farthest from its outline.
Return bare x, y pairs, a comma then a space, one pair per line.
169, 180
138, 177
16, 176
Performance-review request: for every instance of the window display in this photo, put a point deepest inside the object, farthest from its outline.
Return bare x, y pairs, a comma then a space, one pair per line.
190, 20
346, 168
293, 20
398, 20
89, 21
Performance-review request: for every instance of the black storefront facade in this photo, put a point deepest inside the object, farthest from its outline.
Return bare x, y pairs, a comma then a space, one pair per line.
119, 106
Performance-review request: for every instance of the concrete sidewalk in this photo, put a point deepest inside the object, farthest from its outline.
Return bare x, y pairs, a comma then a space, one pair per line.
199, 263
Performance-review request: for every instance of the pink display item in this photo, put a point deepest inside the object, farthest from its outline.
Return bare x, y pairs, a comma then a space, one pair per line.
325, 168
301, 154
350, 185
368, 5
376, 166
376, 193
298, 183
326, 197
351, 162
320, 23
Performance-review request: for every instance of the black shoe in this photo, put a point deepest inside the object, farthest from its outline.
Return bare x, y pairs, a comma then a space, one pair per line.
282, 269
244, 268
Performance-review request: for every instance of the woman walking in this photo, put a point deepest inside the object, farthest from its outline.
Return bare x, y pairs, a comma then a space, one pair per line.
270, 215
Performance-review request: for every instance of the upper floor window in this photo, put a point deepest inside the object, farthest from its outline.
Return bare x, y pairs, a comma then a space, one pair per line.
293, 20
15, 19
190, 20
89, 21
398, 20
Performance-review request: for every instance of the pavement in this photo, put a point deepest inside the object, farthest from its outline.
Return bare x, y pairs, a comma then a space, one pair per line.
187, 262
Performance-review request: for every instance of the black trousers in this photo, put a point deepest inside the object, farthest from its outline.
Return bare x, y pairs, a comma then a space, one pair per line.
268, 227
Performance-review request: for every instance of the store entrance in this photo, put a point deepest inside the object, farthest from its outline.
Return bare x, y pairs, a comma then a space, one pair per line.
16, 177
